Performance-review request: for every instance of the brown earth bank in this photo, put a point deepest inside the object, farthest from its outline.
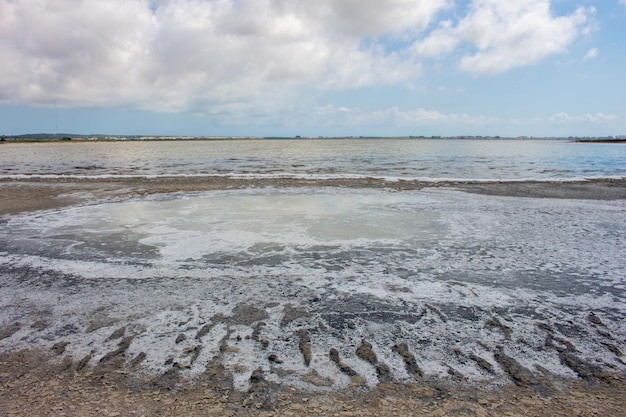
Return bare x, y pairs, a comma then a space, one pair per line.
33, 383
38, 194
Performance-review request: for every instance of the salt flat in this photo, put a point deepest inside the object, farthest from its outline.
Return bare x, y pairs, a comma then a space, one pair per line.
312, 288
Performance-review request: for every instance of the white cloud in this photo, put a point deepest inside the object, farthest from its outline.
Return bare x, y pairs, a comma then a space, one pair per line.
257, 60
174, 54
506, 34
371, 17
440, 42
588, 117
592, 53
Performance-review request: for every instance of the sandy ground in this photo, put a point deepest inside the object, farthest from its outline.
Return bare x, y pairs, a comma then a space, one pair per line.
35, 383
38, 194
32, 384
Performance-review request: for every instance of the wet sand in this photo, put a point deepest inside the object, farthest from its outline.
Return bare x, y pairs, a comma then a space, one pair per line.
40, 194
53, 383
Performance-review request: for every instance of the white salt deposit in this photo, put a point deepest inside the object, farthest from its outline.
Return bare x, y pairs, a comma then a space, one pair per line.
450, 274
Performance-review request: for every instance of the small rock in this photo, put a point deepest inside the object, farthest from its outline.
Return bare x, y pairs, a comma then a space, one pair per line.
275, 359
257, 376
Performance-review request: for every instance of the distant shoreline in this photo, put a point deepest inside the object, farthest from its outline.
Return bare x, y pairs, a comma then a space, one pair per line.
600, 140
63, 138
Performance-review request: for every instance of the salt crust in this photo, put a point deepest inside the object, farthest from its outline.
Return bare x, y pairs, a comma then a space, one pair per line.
435, 266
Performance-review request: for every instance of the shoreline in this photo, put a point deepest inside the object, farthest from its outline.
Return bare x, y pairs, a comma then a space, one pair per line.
22, 195
37, 382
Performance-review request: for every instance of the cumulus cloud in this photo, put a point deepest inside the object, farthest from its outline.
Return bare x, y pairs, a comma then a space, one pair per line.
440, 42
371, 17
505, 34
173, 54
256, 58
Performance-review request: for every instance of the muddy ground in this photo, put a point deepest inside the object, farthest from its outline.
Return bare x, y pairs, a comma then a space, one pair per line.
38, 384
39, 194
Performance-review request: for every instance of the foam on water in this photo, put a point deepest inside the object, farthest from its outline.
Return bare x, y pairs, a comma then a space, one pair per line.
242, 274
316, 177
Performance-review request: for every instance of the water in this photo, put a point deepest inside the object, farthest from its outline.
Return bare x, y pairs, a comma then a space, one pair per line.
379, 158
231, 277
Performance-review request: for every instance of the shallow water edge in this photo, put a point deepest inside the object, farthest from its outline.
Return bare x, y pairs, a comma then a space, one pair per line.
36, 193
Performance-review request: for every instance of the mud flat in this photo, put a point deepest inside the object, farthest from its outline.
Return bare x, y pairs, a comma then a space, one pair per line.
106, 314
40, 193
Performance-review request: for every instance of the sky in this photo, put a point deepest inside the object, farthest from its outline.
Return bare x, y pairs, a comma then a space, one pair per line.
313, 68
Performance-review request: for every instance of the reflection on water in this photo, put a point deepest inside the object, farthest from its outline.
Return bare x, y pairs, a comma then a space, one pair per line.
406, 158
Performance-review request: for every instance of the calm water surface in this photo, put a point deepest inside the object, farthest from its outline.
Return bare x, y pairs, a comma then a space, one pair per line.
386, 158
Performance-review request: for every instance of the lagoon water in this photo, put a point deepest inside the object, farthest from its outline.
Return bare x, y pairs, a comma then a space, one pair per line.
378, 158
232, 277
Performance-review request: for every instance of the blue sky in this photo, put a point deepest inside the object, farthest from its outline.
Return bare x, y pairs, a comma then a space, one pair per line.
329, 67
